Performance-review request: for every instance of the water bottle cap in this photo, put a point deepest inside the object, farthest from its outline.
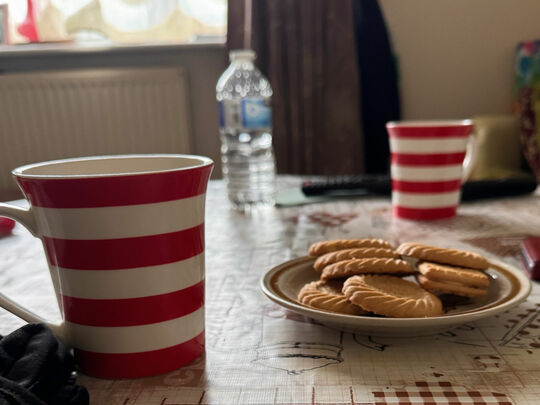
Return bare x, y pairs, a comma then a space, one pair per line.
242, 54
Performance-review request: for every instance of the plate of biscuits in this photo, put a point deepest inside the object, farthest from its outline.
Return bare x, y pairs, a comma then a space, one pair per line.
367, 286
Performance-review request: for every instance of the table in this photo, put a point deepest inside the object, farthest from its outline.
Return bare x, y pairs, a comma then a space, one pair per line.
248, 356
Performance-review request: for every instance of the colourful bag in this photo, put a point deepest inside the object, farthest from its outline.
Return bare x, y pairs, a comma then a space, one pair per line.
527, 96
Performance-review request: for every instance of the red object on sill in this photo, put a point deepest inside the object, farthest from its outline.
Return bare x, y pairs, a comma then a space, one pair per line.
530, 256
6, 225
28, 27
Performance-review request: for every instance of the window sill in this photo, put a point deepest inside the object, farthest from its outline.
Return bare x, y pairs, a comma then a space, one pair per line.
59, 48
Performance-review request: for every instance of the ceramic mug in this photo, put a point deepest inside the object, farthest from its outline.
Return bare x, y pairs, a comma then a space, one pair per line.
124, 240
429, 162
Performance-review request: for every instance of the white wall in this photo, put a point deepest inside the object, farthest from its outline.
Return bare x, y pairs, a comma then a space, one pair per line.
456, 56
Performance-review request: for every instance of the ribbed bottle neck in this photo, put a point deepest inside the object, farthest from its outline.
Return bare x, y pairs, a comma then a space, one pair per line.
246, 64
244, 57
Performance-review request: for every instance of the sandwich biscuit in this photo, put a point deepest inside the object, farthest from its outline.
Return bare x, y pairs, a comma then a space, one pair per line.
346, 254
347, 268
453, 257
459, 275
320, 248
448, 287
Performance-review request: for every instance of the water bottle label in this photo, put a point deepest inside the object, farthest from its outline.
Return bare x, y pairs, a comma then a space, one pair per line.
230, 114
247, 113
256, 113
221, 114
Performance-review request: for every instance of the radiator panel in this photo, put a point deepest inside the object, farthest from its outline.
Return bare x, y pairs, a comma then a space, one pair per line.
60, 114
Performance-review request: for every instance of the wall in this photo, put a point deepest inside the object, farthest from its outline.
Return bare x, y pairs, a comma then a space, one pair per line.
456, 56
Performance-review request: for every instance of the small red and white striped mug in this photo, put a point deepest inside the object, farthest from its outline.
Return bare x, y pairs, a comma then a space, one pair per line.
429, 161
124, 239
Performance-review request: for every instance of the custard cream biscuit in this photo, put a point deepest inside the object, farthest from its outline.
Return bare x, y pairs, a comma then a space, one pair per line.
320, 248
391, 296
453, 257
347, 268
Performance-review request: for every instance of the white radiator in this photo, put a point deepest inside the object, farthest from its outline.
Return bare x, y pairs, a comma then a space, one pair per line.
59, 114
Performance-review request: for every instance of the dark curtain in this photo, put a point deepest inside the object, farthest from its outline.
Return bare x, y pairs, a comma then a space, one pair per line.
309, 52
379, 89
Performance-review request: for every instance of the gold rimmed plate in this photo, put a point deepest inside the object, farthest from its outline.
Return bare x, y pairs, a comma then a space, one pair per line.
509, 286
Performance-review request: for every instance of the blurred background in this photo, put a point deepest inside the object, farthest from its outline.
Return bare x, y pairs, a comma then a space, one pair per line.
87, 77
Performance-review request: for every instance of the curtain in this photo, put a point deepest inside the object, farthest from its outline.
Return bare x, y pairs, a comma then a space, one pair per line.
307, 50
379, 90
310, 52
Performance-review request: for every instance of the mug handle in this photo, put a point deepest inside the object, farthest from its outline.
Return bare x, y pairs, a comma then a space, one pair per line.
25, 216
471, 157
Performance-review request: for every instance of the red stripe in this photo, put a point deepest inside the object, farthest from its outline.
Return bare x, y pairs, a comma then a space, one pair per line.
143, 364
126, 253
116, 190
427, 214
430, 132
134, 311
436, 159
426, 186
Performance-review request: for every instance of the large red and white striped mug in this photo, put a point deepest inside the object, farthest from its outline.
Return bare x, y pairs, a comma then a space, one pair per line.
124, 239
429, 161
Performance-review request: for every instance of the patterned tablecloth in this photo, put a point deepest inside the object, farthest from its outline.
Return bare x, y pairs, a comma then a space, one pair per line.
260, 353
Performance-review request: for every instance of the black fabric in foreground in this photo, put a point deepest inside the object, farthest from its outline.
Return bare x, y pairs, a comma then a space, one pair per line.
36, 369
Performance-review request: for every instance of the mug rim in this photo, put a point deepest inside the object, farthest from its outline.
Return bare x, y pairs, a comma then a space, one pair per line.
19, 172
429, 123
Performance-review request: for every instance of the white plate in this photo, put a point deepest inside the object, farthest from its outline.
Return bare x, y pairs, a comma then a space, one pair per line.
508, 287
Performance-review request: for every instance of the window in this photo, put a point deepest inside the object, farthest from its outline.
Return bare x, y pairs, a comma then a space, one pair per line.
121, 21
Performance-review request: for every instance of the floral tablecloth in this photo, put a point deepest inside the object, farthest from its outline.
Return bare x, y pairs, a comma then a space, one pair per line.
260, 353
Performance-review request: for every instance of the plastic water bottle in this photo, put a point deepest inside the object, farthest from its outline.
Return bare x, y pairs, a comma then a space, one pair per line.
245, 121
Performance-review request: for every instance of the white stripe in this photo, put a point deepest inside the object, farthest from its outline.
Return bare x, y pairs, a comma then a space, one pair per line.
426, 173
425, 200
120, 222
429, 123
134, 339
428, 145
132, 283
